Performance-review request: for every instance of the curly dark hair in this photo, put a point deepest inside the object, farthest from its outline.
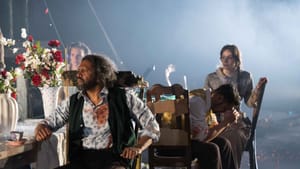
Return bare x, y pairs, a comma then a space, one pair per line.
105, 69
229, 93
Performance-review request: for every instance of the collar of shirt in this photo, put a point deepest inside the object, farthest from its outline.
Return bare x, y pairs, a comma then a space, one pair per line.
226, 78
103, 93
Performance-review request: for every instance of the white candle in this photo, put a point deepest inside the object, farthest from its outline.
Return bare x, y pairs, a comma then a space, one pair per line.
2, 62
185, 81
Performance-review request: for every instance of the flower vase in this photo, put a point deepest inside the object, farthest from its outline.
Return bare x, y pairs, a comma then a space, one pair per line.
50, 98
9, 113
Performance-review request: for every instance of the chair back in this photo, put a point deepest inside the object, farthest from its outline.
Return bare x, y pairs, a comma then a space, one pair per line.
251, 145
171, 108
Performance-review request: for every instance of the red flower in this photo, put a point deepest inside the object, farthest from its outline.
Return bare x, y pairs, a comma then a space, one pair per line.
54, 43
19, 58
30, 38
58, 56
23, 66
36, 80
3, 73
45, 73
14, 95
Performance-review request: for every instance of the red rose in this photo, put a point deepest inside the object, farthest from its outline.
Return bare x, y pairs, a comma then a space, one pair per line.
19, 58
58, 56
54, 43
3, 73
36, 79
30, 38
45, 73
14, 95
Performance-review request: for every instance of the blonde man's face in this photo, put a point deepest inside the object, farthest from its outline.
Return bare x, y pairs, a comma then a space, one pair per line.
76, 55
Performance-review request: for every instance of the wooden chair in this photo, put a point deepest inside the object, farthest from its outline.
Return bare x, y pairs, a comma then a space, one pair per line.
251, 145
128, 79
174, 146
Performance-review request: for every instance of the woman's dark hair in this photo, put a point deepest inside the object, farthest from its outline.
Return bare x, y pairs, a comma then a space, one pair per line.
104, 68
229, 93
236, 54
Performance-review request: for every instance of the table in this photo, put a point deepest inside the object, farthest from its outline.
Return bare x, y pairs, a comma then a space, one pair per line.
51, 153
12, 157
48, 154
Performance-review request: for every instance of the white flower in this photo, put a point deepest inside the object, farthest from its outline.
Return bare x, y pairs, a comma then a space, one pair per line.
46, 50
60, 66
18, 71
6, 82
7, 42
23, 33
10, 42
15, 50
9, 76
53, 49
26, 44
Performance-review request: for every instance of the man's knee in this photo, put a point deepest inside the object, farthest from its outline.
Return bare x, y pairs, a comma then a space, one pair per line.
223, 143
213, 148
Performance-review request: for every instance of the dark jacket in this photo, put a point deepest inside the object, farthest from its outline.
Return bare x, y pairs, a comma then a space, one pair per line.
119, 121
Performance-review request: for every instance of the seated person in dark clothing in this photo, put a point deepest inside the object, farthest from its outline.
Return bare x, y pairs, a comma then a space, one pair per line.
101, 133
211, 150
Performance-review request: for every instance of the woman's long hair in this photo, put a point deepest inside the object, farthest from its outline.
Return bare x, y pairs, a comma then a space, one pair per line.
236, 54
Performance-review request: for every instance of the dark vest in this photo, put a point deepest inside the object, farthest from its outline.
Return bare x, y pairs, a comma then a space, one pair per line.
119, 121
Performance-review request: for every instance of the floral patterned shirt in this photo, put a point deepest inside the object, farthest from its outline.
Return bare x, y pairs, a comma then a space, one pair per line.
96, 133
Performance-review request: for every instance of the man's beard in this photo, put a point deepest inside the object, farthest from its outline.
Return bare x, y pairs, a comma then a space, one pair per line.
86, 85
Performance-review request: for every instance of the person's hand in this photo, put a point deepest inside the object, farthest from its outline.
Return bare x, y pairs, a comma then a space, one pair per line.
42, 132
254, 96
131, 152
231, 116
261, 81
